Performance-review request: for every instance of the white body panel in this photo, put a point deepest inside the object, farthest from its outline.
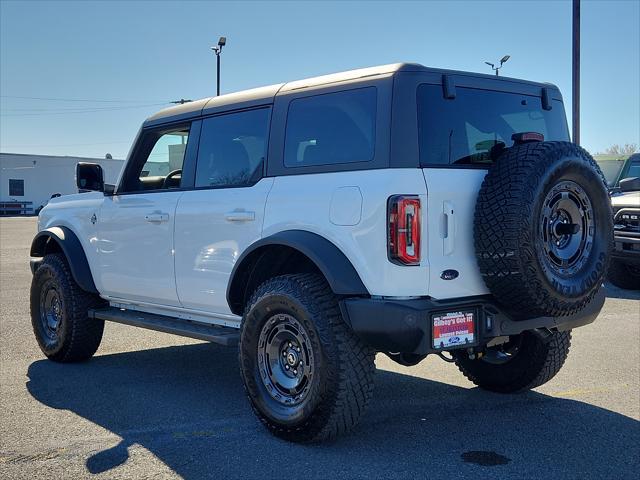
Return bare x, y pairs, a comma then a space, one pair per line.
181, 263
135, 247
304, 202
75, 212
213, 228
451, 202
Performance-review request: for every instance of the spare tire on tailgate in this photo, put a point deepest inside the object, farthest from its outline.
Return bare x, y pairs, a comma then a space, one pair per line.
543, 229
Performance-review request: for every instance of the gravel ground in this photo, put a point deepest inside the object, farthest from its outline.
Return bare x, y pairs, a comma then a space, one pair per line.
152, 405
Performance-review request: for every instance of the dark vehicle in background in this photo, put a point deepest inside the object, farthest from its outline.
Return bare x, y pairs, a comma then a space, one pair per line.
623, 179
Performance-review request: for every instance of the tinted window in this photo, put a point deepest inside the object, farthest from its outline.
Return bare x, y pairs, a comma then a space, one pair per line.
634, 169
232, 148
331, 128
464, 130
16, 188
158, 161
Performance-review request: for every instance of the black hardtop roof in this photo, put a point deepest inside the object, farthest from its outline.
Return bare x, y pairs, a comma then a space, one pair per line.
266, 94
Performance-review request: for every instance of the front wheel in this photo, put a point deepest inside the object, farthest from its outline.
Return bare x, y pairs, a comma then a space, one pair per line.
59, 313
307, 376
525, 361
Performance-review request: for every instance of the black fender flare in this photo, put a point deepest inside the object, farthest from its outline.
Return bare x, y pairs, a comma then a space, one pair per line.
330, 260
71, 248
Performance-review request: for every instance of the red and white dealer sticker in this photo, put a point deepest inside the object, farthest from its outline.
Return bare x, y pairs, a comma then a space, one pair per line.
453, 329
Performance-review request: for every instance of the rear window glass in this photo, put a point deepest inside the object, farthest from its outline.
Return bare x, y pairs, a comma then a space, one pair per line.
473, 127
331, 128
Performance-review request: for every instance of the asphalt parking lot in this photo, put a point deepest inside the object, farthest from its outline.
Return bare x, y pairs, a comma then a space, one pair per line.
152, 405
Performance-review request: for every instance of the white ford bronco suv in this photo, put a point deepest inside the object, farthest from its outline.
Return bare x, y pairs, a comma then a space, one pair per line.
397, 209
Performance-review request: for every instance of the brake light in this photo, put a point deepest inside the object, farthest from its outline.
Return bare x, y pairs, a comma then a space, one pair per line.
403, 239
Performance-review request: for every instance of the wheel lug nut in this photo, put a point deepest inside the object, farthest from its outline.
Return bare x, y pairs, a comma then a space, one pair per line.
295, 372
297, 349
286, 367
284, 353
289, 344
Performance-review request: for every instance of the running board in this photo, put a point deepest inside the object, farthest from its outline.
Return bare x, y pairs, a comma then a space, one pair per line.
185, 328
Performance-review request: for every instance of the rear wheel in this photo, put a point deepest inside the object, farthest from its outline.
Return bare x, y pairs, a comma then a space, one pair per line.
525, 361
623, 275
59, 313
306, 374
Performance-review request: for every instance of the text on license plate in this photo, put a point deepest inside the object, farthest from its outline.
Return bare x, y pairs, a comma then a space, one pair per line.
453, 329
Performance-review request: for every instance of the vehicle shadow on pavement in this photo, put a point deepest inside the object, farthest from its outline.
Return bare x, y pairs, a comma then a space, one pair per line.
615, 292
186, 405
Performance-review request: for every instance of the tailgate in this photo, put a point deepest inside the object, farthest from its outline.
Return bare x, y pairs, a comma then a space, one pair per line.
451, 200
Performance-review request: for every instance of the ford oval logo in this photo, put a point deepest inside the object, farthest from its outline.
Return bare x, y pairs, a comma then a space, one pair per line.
454, 340
449, 275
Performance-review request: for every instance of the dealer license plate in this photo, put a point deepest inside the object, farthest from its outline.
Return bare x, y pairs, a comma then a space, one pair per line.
453, 329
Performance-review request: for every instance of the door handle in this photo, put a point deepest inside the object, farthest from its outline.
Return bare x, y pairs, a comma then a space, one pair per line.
449, 228
240, 216
157, 217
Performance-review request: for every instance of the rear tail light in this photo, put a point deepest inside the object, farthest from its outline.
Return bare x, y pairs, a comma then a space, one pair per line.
403, 212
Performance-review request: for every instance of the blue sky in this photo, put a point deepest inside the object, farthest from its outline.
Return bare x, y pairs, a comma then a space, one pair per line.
143, 54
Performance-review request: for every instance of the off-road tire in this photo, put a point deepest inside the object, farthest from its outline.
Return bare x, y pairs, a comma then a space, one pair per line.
342, 384
623, 275
509, 234
537, 362
76, 337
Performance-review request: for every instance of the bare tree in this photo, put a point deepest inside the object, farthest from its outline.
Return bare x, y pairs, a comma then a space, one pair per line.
626, 149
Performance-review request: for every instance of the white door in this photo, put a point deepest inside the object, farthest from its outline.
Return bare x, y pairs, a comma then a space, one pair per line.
135, 226
451, 202
135, 247
218, 220
213, 228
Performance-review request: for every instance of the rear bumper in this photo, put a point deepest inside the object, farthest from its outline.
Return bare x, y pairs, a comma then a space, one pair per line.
627, 248
404, 326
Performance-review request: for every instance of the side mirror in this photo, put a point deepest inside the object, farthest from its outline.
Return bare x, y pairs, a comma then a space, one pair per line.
631, 184
89, 177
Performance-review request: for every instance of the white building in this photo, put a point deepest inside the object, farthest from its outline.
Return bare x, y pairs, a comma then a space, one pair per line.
35, 178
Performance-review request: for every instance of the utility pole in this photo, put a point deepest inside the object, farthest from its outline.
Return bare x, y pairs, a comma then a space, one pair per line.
575, 73
218, 50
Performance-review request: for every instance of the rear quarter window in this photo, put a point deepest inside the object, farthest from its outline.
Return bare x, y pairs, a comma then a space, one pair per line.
465, 130
331, 128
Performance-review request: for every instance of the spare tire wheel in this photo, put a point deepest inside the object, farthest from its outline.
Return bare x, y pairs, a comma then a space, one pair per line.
543, 229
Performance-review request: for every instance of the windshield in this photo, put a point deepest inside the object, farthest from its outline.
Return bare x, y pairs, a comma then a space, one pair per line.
611, 168
476, 124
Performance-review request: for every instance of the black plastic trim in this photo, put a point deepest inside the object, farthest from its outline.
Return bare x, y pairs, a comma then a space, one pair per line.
448, 87
72, 249
332, 263
547, 101
404, 326
226, 336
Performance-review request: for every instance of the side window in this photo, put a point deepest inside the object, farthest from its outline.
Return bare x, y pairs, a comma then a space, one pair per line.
331, 128
634, 170
232, 148
158, 161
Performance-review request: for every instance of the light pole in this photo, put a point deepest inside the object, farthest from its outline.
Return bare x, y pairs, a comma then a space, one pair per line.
218, 50
502, 61
575, 73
